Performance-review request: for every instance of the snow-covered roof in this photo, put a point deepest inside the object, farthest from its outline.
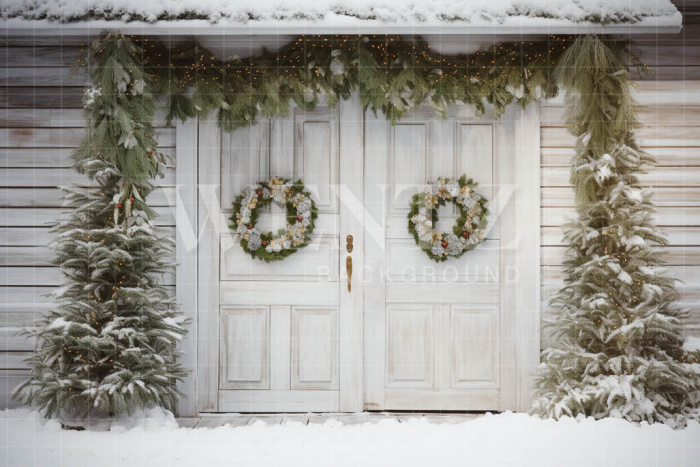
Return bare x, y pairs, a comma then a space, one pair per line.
354, 15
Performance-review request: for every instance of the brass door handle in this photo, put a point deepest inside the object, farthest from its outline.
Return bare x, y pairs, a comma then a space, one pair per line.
348, 269
348, 243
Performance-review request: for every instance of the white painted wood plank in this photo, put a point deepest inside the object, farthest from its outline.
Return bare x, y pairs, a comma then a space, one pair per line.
48, 217
684, 114
656, 176
660, 196
209, 207
14, 360
51, 197
664, 216
553, 275
673, 256
280, 348
376, 145
57, 177
527, 259
29, 300
9, 379
48, 276
670, 156
677, 236
409, 263
473, 335
19, 319
278, 401
40, 236
553, 137
244, 359
37, 76
317, 261
653, 92
32, 157
508, 137
446, 292
259, 292
38, 256
410, 343
184, 197
444, 400
352, 222
445, 350
63, 137
314, 348
57, 117
33, 299
12, 339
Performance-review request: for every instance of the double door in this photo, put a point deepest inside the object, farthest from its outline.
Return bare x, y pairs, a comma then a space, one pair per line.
361, 318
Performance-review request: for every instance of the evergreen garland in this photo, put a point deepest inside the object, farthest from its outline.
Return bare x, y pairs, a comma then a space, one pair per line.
391, 75
111, 345
619, 327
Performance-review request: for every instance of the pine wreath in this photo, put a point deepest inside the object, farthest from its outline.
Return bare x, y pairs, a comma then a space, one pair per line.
301, 214
468, 231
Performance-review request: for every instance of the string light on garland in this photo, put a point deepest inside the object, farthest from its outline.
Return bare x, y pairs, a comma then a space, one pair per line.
392, 75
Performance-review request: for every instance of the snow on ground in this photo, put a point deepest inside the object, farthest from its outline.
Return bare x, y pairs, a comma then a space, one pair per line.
498, 440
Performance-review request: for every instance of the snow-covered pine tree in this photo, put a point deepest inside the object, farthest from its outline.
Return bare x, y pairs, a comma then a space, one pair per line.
620, 329
110, 347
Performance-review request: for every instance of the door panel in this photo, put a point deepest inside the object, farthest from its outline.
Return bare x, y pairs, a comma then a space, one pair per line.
408, 164
245, 342
279, 343
431, 329
406, 261
314, 348
410, 347
315, 140
474, 338
318, 261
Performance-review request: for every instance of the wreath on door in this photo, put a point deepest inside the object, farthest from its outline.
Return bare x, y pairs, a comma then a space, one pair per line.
468, 231
301, 214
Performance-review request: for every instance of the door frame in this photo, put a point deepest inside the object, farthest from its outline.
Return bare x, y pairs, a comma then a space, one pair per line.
196, 273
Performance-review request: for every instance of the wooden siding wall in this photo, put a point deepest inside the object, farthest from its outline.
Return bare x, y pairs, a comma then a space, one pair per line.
41, 121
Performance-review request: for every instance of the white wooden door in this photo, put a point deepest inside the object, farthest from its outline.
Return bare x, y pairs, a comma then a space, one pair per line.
439, 336
270, 335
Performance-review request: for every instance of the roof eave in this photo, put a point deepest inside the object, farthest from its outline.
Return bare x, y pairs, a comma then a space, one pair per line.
515, 26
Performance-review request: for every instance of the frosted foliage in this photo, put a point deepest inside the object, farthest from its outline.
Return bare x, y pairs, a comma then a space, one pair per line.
619, 328
110, 345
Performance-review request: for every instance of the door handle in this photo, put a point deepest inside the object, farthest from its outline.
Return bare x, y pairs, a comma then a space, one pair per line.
348, 243
348, 269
